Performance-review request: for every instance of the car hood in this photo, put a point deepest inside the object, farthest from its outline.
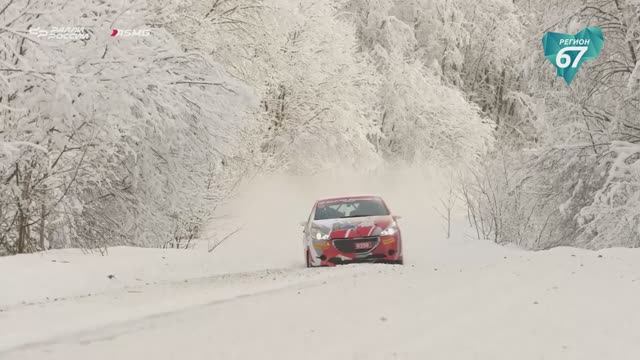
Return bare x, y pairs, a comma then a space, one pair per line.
353, 227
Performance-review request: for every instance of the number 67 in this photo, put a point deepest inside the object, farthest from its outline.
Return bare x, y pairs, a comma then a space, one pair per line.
563, 60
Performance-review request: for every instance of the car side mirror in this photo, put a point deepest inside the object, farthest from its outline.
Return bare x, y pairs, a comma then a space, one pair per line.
397, 217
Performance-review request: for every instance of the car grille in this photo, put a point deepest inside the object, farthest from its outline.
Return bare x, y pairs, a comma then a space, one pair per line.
349, 245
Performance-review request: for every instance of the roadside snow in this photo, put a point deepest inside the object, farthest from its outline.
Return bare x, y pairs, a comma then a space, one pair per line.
59, 274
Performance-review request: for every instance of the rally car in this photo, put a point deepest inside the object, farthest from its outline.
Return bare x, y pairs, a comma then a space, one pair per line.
349, 230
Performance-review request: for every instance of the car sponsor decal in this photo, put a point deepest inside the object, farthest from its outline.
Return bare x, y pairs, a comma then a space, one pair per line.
363, 245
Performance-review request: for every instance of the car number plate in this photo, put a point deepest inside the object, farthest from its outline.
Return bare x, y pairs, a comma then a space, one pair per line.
363, 245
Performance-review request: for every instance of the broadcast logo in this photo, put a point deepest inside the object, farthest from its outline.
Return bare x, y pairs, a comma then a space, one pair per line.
568, 52
130, 32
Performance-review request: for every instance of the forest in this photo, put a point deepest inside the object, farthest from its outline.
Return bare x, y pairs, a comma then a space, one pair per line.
134, 140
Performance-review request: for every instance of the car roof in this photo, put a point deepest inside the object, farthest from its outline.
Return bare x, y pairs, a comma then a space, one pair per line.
350, 197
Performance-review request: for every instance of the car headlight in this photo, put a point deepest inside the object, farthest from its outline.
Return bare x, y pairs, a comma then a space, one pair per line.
390, 230
319, 234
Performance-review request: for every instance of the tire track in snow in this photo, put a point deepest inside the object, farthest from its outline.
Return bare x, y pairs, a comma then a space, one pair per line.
185, 296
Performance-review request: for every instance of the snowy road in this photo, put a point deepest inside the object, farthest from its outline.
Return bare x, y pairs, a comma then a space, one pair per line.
491, 303
455, 299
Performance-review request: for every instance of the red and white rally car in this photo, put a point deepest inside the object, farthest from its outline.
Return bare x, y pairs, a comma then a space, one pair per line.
349, 230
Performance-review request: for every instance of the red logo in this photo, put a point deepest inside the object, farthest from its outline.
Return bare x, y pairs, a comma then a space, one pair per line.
130, 33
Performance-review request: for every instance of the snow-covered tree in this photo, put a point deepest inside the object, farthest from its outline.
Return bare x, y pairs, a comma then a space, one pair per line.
107, 140
318, 93
131, 139
423, 119
576, 184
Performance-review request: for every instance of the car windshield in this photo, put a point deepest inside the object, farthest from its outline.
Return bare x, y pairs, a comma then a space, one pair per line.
348, 208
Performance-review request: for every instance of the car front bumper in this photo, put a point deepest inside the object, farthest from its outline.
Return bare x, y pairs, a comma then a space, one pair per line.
385, 249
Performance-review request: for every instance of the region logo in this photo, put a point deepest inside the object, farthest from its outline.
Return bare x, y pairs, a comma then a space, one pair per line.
568, 52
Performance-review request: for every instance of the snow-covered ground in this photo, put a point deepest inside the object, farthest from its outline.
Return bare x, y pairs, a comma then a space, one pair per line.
252, 299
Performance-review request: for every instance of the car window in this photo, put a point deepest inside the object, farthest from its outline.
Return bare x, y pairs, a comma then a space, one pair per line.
347, 208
